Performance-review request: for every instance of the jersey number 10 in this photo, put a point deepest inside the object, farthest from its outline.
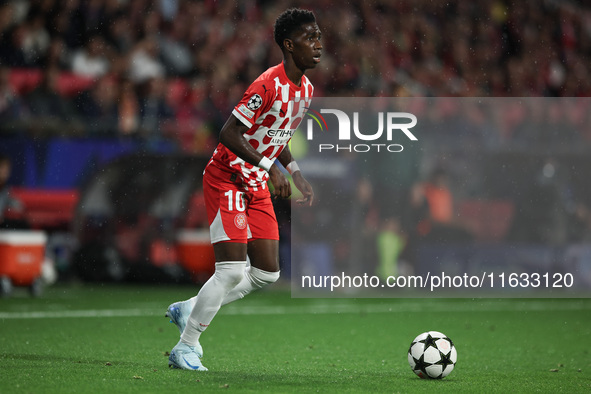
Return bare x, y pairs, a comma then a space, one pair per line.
240, 206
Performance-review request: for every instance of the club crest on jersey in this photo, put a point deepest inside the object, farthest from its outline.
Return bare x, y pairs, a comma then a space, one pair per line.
240, 221
255, 102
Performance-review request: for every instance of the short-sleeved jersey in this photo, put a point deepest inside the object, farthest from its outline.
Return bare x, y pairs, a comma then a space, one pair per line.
272, 107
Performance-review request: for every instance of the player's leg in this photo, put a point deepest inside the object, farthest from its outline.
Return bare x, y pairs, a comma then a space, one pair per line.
263, 247
228, 223
264, 254
228, 230
264, 269
254, 277
229, 268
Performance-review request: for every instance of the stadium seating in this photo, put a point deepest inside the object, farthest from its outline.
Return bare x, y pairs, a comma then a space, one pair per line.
47, 209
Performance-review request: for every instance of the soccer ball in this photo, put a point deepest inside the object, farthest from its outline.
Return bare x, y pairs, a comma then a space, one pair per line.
432, 355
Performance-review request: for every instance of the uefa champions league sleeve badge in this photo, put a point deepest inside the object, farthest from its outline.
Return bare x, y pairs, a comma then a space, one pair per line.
255, 102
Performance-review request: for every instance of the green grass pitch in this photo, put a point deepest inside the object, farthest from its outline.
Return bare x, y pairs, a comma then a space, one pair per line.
106, 339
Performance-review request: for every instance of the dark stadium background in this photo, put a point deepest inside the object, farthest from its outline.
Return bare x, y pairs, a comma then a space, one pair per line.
133, 88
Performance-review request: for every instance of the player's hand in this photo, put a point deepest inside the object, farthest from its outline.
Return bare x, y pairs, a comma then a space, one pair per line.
280, 183
304, 187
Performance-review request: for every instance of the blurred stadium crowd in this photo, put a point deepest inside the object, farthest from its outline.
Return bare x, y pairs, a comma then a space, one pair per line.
174, 68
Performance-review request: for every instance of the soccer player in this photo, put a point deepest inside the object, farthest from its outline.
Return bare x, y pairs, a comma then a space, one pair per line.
238, 201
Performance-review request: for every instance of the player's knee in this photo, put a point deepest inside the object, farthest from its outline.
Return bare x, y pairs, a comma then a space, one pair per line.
230, 273
262, 278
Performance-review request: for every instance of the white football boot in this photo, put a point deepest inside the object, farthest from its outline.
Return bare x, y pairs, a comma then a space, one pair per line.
183, 356
178, 313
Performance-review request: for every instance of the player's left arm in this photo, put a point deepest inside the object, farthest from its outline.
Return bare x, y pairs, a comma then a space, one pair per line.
285, 158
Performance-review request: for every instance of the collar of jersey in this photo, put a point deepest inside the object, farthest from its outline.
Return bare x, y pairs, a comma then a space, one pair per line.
282, 65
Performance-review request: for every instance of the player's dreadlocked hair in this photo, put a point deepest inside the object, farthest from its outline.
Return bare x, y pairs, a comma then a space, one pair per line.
289, 21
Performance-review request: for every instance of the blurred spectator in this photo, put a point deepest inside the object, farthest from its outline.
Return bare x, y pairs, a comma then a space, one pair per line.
7, 19
391, 241
176, 55
67, 21
98, 107
12, 48
57, 55
436, 194
35, 41
11, 209
197, 120
93, 17
91, 60
128, 108
154, 109
119, 35
549, 211
362, 221
169, 9
433, 206
144, 63
51, 112
12, 108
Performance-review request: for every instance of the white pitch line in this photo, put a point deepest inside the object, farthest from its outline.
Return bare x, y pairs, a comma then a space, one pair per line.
407, 307
327, 308
76, 313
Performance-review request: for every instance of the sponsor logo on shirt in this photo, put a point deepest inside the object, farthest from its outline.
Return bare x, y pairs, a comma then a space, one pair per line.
280, 136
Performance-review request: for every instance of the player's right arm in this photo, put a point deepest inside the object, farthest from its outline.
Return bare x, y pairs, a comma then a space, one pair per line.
285, 158
232, 137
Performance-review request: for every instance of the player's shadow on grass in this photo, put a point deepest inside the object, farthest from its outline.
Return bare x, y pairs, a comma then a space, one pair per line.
446, 381
249, 381
340, 380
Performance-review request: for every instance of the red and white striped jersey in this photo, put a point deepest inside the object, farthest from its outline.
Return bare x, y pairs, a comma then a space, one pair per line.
272, 107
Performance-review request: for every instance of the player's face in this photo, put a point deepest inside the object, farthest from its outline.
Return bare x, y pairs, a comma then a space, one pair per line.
307, 46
